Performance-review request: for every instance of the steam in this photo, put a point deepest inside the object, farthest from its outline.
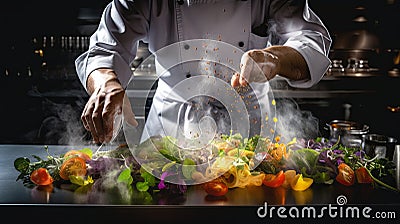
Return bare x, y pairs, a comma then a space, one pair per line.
294, 122
62, 124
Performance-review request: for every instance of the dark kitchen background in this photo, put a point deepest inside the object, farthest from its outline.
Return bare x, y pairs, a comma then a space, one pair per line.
42, 98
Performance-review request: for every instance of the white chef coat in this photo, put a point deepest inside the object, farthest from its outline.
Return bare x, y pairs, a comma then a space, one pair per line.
252, 24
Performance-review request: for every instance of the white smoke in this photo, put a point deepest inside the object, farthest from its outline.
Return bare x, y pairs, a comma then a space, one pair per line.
294, 122
62, 124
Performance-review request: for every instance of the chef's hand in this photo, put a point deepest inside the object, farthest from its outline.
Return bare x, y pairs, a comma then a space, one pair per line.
107, 99
261, 65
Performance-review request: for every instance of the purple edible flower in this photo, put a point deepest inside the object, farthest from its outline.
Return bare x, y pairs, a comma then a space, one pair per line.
161, 184
337, 151
339, 161
360, 154
179, 188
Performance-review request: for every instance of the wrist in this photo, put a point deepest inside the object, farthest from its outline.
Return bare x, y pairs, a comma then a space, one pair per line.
99, 78
290, 63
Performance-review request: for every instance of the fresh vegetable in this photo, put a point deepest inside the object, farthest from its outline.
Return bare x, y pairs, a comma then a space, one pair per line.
346, 175
300, 183
75, 166
274, 180
296, 165
78, 153
363, 176
289, 176
41, 176
215, 188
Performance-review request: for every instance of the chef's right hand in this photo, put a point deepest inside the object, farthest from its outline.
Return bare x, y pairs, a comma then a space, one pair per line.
107, 99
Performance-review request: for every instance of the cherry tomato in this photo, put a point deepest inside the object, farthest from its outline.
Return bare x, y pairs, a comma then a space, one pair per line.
41, 176
274, 180
363, 176
345, 175
73, 166
215, 188
73, 152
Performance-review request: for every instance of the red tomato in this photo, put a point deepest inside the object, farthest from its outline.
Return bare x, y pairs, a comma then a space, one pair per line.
41, 176
363, 176
274, 180
215, 188
73, 166
346, 175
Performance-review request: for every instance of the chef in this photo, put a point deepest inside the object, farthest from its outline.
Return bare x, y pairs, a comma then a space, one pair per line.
279, 37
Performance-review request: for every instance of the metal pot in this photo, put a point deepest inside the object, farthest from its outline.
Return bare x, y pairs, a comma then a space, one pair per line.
380, 145
348, 133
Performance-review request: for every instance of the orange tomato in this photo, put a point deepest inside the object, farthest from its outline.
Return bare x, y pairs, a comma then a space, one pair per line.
41, 176
363, 176
346, 175
73, 152
73, 166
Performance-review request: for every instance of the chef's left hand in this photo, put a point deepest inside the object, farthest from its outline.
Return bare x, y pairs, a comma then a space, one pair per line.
261, 65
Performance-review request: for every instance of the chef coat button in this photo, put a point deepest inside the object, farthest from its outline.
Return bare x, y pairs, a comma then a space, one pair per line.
188, 75
241, 44
181, 2
186, 46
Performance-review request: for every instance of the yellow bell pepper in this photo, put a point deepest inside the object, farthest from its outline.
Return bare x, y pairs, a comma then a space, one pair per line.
300, 183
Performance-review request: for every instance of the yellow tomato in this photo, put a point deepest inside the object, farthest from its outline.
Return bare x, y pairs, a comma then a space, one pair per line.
289, 176
300, 183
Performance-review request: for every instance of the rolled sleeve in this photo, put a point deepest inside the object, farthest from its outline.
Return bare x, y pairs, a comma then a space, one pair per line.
101, 58
317, 61
298, 27
114, 43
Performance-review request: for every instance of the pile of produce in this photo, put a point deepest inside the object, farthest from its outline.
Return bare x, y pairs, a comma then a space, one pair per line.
296, 165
